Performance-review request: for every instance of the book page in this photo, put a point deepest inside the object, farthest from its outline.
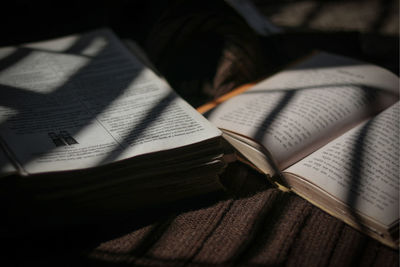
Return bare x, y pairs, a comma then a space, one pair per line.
81, 101
300, 109
361, 167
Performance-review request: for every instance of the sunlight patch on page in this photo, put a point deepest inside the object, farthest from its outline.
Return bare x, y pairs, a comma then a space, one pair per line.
96, 45
309, 76
56, 45
42, 72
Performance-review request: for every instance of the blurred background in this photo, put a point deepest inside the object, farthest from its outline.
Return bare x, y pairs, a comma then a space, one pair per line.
206, 48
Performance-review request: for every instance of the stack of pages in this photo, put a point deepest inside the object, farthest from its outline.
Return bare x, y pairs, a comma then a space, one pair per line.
87, 128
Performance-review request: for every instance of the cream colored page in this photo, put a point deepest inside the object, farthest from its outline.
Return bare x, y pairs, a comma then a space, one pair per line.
296, 111
361, 167
82, 101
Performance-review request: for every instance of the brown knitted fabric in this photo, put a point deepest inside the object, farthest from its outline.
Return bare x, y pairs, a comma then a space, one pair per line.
252, 224
255, 226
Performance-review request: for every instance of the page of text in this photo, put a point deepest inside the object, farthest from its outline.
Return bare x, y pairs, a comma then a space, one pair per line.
298, 110
81, 101
361, 167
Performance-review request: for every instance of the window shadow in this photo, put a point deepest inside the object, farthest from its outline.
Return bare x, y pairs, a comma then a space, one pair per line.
284, 102
16, 98
356, 179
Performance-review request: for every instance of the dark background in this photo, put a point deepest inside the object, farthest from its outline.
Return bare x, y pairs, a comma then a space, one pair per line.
188, 40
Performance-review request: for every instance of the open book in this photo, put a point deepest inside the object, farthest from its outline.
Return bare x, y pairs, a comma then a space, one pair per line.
326, 128
87, 128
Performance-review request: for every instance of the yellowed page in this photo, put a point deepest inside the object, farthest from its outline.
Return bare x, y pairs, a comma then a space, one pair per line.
298, 110
361, 167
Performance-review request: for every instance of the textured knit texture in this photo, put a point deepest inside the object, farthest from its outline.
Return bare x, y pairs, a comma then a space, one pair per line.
251, 224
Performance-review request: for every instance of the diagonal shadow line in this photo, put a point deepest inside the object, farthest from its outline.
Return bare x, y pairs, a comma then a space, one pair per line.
210, 233
81, 43
289, 93
357, 160
141, 127
16, 56
324, 86
250, 248
146, 121
370, 93
209, 112
118, 89
16, 93
152, 237
357, 165
262, 229
21, 52
357, 157
336, 242
272, 116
